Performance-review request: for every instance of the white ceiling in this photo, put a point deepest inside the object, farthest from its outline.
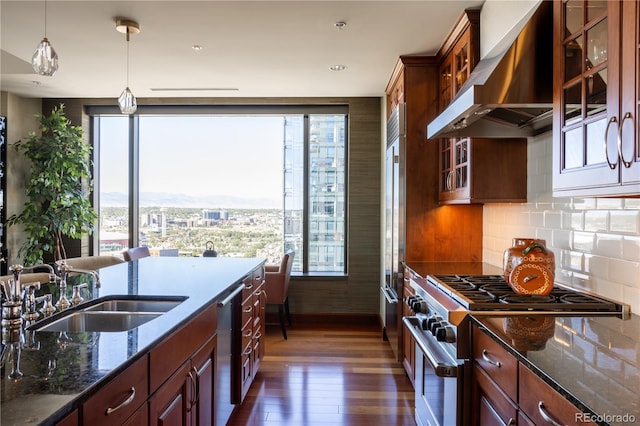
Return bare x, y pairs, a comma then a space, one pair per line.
261, 48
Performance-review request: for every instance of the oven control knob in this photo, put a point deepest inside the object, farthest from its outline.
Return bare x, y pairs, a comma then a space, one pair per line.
446, 334
435, 327
431, 321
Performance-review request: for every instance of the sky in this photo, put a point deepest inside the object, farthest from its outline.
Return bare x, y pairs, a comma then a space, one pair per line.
197, 155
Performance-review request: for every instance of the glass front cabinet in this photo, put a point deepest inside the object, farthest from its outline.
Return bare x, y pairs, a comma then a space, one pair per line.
597, 98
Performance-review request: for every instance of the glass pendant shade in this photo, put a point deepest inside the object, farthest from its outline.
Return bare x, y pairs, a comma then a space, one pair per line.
127, 102
45, 59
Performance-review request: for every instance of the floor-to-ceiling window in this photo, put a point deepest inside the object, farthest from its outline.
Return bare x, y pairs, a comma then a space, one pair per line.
249, 184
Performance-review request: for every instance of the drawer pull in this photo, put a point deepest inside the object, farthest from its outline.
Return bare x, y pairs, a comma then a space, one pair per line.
545, 415
247, 310
485, 356
248, 333
247, 351
196, 391
511, 422
258, 335
129, 400
248, 286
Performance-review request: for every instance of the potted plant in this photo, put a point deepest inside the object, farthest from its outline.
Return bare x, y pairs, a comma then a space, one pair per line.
57, 190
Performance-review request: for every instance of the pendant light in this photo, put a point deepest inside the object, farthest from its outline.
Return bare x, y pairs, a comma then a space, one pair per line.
127, 102
45, 58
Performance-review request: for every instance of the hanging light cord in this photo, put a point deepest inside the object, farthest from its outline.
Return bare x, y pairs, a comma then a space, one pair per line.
45, 18
127, 56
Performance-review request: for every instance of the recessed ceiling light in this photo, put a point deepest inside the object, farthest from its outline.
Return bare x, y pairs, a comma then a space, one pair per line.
338, 67
197, 47
340, 25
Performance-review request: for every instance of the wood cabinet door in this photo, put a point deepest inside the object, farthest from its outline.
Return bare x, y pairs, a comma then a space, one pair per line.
630, 100
203, 367
171, 404
586, 99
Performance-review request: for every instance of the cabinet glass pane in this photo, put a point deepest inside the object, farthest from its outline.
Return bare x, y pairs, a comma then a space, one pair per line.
461, 152
596, 85
595, 142
596, 8
572, 104
574, 15
573, 59
461, 67
461, 177
573, 148
597, 44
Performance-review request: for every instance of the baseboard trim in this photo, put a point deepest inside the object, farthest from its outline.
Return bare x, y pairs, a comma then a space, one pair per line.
330, 319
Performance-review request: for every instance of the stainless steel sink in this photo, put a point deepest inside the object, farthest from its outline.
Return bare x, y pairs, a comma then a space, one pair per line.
135, 305
110, 313
102, 321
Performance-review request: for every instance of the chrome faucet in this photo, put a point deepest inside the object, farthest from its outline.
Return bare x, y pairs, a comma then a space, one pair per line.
65, 269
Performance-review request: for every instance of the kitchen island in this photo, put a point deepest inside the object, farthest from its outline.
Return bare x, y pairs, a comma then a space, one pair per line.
48, 375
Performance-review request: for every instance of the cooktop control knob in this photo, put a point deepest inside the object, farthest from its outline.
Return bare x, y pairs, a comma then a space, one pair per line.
433, 322
446, 334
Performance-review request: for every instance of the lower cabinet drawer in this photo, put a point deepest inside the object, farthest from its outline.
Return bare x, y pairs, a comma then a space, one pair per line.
543, 404
499, 364
492, 406
120, 398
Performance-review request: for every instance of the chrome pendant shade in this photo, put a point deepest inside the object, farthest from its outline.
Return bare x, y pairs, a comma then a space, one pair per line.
45, 58
127, 101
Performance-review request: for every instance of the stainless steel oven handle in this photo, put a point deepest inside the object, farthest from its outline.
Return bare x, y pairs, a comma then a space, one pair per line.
442, 364
390, 297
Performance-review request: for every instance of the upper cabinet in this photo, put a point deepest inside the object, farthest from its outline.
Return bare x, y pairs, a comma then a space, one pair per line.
475, 170
596, 98
460, 53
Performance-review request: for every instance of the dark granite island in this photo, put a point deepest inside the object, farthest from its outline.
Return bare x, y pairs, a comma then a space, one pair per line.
60, 371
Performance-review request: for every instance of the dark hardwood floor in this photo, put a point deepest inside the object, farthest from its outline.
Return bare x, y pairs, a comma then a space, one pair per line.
328, 376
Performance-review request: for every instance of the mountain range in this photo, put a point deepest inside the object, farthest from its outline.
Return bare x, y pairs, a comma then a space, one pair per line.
163, 199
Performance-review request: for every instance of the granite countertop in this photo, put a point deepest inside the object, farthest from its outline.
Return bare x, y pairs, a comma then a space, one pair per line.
594, 361
60, 370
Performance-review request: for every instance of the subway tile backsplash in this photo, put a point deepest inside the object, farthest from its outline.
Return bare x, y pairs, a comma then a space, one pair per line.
596, 241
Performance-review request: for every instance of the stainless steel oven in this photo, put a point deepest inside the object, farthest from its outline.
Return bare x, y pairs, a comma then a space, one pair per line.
439, 378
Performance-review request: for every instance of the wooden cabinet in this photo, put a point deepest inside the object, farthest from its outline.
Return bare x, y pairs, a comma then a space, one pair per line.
430, 237
596, 99
476, 170
543, 405
460, 53
120, 398
70, 419
187, 397
505, 392
252, 342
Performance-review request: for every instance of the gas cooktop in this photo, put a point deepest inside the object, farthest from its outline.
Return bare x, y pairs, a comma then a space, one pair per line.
492, 293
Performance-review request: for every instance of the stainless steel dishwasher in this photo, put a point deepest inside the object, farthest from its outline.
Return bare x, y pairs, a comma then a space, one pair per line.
228, 321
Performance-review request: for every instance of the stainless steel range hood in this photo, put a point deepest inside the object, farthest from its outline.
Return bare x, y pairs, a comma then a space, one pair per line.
508, 94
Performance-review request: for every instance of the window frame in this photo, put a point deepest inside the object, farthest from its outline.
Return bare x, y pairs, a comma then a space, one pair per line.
94, 112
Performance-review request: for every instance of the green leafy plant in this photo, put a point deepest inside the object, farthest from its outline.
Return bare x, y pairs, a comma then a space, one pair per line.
58, 205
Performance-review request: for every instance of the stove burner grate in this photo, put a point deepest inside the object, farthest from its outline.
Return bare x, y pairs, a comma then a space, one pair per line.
491, 292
